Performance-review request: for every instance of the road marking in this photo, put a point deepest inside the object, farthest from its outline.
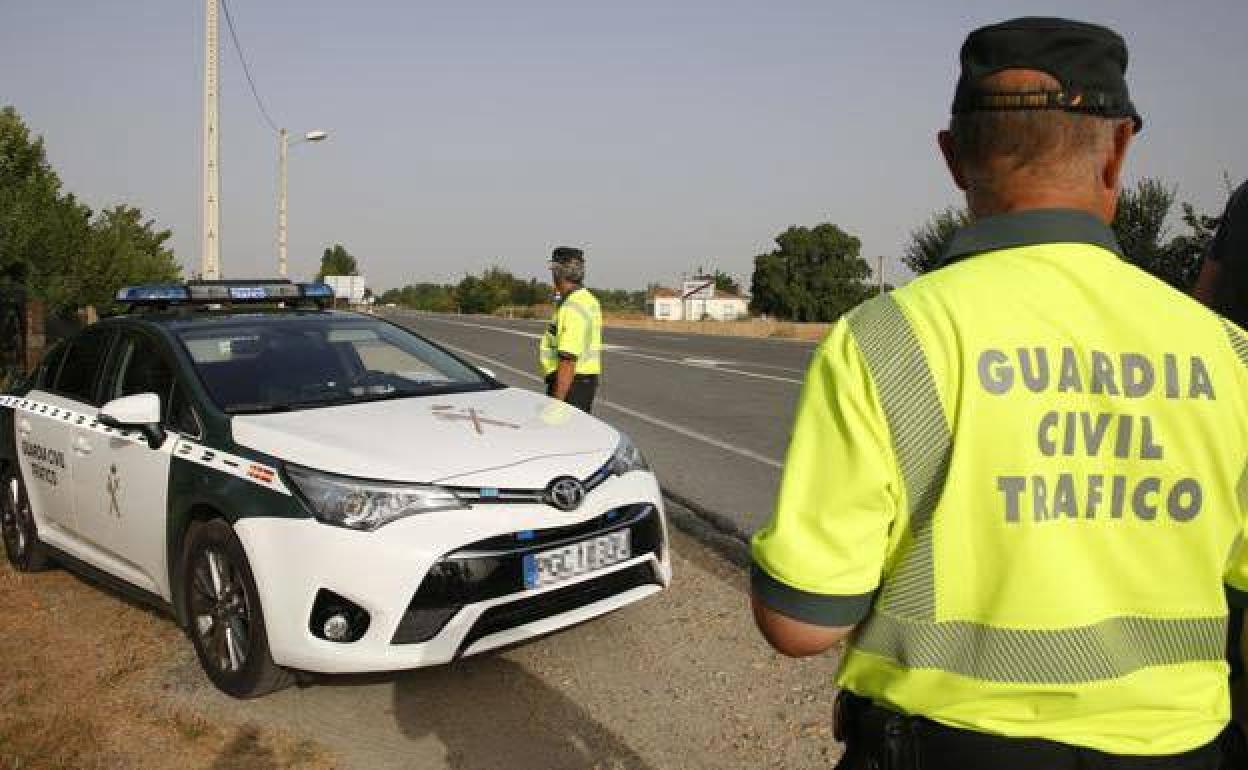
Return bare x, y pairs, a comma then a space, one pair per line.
661, 423
692, 363
710, 368
517, 332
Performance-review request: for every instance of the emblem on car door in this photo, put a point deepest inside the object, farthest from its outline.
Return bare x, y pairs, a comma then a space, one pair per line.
113, 484
565, 493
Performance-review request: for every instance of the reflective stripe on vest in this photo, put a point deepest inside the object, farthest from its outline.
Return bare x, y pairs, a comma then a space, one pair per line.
589, 350
903, 625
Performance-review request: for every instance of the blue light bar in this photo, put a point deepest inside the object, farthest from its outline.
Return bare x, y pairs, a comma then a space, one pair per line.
317, 290
154, 293
226, 292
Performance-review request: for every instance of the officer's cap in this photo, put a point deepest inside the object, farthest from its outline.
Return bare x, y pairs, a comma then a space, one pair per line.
565, 255
1088, 60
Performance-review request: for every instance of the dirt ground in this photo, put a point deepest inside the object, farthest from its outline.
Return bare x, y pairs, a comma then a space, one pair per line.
678, 681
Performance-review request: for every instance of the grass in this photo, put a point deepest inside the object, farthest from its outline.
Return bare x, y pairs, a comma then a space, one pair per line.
752, 327
82, 688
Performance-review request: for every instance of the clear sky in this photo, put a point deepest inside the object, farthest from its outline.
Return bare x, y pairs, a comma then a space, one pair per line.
659, 135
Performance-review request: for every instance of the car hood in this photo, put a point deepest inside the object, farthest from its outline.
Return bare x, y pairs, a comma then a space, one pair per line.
507, 438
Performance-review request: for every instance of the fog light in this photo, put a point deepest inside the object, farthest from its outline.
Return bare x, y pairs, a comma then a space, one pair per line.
337, 628
337, 619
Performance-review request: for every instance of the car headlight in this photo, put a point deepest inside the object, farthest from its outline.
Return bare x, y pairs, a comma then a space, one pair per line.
367, 505
627, 458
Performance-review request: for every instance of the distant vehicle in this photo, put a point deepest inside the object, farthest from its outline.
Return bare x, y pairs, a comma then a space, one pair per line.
319, 491
391, 304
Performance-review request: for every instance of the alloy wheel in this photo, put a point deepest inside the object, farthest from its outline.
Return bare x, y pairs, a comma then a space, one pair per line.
14, 517
221, 610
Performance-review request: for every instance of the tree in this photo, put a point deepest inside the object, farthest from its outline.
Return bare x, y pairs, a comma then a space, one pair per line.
336, 260
50, 242
814, 274
928, 242
1140, 226
726, 283
124, 250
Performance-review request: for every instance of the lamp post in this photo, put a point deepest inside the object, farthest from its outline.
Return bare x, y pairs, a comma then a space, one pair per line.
283, 143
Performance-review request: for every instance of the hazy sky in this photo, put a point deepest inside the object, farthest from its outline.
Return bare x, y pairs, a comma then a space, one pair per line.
659, 135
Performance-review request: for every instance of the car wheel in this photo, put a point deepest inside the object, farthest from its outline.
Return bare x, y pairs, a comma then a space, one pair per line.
226, 622
17, 525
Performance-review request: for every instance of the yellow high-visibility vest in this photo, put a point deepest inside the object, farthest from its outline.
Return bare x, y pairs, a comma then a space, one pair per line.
1024, 478
576, 330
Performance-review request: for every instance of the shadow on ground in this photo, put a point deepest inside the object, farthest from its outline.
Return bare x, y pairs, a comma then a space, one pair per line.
489, 712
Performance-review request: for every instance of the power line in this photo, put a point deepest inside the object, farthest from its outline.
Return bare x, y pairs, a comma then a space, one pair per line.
229, 21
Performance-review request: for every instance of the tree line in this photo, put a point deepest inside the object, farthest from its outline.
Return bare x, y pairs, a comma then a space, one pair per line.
1141, 225
57, 247
495, 289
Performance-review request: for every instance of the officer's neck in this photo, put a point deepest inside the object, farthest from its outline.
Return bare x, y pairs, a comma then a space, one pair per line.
992, 204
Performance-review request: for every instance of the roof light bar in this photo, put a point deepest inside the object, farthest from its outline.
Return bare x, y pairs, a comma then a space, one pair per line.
224, 292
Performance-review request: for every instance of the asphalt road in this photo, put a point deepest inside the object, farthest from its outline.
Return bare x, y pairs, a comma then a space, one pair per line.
711, 413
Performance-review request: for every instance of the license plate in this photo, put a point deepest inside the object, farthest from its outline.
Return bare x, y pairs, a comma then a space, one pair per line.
559, 564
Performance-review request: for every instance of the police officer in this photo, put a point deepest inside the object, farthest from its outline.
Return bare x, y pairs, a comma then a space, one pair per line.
1011, 484
571, 348
1223, 285
1223, 281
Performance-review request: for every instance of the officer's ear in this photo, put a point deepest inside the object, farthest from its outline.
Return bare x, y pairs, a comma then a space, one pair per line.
949, 149
1111, 170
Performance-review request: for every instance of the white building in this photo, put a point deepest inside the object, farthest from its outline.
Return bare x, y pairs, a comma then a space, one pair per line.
698, 300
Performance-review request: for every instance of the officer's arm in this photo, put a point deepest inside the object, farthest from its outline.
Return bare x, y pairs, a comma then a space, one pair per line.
564, 376
819, 561
792, 637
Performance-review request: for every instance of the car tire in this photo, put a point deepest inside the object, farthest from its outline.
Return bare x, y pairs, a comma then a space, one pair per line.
224, 618
17, 525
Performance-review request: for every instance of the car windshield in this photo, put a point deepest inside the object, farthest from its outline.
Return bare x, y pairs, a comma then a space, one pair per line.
267, 364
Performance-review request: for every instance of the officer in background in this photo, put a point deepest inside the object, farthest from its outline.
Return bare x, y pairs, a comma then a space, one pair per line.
1012, 483
571, 348
1223, 281
1223, 286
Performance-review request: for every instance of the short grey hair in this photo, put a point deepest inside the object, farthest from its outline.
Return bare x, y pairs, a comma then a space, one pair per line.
571, 271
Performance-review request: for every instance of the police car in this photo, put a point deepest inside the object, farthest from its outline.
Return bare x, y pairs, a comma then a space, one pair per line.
308, 490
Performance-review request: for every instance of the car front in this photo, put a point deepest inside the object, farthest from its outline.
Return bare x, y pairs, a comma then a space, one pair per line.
436, 513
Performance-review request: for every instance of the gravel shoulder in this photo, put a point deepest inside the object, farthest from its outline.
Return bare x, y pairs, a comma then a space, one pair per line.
681, 680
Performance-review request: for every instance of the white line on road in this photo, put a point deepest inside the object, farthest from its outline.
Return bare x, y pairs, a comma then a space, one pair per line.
624, 351
665, 424
517, 332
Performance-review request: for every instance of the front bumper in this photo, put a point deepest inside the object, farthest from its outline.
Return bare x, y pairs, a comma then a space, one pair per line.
444, 585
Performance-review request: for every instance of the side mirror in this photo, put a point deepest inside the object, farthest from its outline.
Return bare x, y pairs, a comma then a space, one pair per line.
488, 372
139, 412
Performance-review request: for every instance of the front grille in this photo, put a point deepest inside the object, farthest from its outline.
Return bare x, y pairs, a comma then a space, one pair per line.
556, 602
492, 568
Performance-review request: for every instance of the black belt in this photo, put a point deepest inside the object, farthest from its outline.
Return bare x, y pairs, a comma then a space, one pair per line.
877, 737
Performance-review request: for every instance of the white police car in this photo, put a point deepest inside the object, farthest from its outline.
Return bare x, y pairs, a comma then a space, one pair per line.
311, 490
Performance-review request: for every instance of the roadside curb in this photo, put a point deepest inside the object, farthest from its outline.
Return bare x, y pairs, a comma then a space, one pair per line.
715, 530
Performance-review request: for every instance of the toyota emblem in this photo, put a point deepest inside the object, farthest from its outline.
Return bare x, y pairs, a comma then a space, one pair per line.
565, 493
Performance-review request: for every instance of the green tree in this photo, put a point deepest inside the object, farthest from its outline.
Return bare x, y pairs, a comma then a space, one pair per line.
726, 283
814, 274
336, 260
928, 242
51, 243
1140, 226
125, 249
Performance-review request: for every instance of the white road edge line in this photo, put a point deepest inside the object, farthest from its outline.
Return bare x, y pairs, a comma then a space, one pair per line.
686, 432
623, 351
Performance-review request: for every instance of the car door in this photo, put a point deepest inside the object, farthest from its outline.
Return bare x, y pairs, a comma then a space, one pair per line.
64, 393
121, 484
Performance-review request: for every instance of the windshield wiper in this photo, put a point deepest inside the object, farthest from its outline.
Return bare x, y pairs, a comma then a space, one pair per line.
256, 408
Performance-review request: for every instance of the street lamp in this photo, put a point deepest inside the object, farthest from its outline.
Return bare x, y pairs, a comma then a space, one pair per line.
283, 143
